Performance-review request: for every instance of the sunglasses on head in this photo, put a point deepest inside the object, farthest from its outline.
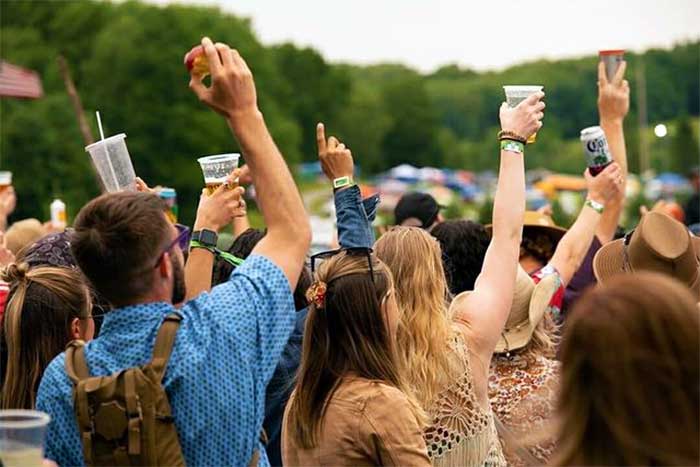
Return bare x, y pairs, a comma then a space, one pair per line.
354, 251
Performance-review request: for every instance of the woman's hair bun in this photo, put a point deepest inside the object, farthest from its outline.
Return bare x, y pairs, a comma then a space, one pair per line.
14, 272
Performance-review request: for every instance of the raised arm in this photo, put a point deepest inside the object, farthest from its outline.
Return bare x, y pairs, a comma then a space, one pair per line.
613, 105
232, 94
574, 245
485, 311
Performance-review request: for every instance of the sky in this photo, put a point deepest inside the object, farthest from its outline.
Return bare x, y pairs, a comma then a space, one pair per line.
479, 34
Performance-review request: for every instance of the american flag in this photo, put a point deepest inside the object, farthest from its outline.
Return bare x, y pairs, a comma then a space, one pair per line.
19, 82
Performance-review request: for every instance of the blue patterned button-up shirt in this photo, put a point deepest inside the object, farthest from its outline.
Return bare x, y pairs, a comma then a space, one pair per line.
226, 349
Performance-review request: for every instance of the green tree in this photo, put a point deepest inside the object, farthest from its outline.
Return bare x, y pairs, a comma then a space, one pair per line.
685, 152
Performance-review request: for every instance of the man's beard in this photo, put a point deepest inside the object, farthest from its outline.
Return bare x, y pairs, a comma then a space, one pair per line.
179, 287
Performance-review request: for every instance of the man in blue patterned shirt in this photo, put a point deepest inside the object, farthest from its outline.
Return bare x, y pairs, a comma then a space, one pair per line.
231, 338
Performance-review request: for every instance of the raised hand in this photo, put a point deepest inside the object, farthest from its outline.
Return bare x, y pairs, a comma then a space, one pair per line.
336, 159
607, 185
143, 187
232, 91
220, 208
613, 96
525, 119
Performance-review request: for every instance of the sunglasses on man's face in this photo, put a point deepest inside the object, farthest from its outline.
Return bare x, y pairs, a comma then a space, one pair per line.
355, 251
182, 240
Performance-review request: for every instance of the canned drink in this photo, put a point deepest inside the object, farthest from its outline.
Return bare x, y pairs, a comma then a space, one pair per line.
595, 147
58, 214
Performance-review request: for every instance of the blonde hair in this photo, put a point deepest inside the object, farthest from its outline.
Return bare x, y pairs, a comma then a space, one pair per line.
37, 323
348, 334
424, 335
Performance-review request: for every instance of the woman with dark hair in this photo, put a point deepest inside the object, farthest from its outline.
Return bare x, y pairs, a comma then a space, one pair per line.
351, 405
47, 308
630, 381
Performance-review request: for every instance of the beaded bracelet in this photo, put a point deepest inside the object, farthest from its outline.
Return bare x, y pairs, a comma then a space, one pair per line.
506, 134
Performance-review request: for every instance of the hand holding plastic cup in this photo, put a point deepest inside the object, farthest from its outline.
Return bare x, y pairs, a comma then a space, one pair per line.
22, 437
5, 180
612, 60
113, 163
515, 94
217, 168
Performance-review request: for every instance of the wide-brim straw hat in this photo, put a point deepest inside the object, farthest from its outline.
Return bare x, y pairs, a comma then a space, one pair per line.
530, 303
660, 244
536, 222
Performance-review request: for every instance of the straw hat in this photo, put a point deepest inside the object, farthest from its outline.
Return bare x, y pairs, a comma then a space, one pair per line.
537, 222
659, 243
530, 302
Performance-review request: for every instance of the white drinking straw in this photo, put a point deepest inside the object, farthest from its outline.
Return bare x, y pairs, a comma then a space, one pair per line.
109, 159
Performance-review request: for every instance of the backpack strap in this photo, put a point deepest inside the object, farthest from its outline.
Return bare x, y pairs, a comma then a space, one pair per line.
76, 366
164, 343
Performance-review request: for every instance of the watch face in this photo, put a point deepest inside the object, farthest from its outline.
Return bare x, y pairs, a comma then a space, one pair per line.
208, 237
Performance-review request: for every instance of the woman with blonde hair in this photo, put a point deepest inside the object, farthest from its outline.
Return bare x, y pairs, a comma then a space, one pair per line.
447, 350
47, 308
351, 405
630, 382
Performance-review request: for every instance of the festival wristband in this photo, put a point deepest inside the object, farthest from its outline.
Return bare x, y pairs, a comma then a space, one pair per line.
342, 182
512, 146
196, 244
595, 205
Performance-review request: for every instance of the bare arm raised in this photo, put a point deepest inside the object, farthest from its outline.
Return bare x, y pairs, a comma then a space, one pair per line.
232, 94
484, 312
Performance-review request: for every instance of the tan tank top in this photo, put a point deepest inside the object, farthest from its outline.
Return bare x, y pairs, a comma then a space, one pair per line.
461, 432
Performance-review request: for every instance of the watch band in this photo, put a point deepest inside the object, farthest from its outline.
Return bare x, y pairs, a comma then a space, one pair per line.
342, 182
206, 237
595, 205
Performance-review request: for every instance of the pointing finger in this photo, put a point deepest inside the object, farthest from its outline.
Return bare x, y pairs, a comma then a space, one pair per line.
321, 138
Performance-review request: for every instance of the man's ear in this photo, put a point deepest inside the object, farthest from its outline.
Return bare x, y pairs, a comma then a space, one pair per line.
165, 267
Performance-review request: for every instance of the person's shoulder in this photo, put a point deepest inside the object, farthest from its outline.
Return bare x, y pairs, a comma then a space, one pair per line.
259, 267
54, 380
383, 397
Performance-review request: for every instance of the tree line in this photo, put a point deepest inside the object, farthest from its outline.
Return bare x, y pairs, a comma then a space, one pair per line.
126, 60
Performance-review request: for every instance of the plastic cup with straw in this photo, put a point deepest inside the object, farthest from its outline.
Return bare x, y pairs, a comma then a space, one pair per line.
112, 162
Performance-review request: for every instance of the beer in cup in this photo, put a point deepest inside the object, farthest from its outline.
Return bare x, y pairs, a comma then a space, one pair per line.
5, 180
612, 60
515, 94
22, 437
217, 168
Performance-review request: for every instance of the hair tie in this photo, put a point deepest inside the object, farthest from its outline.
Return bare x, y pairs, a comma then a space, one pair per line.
15, 272
316, 294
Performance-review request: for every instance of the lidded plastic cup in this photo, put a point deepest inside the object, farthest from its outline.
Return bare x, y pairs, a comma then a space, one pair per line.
516, 93
113, 163
218, 167
22, 437
612, 60
5, 178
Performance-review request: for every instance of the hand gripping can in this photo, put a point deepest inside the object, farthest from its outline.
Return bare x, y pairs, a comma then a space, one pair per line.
595, 147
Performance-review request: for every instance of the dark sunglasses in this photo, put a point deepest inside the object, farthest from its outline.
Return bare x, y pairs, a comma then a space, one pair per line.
182, 240
355, 251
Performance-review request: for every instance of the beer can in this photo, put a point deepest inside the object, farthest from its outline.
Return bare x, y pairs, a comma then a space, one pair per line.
58, 214
595, 147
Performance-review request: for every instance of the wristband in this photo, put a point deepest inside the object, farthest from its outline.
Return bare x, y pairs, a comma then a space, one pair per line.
595, 205
512, 146
196, 244
342, 182
511, 135
226, 256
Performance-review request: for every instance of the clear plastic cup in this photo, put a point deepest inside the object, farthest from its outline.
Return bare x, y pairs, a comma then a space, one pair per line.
22, 437
217, 168
612, 60
515, 94
5, 180
113, 164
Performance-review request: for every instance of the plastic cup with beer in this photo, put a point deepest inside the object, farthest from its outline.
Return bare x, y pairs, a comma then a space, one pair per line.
217, 168
516, 93
612, 60
113, 163
5, 180
22, 437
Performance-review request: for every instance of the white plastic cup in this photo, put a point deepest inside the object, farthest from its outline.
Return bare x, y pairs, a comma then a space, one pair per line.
22, 437
516, 93
113, 163
612, 60
58, 214
217, 168
5, 180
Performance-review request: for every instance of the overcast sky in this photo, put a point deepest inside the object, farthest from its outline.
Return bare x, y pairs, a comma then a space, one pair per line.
481, 34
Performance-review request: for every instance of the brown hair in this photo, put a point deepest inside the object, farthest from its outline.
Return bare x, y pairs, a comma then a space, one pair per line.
630, 383
415, 260
37, 325
348, 335
116, 243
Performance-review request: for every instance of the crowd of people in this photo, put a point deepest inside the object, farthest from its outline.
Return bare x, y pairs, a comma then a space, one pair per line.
443, 343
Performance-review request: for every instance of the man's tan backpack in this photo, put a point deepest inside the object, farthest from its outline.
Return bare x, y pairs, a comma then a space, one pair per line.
125, 418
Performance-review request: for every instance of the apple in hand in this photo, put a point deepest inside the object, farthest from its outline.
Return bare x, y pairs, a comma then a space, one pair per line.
196, 61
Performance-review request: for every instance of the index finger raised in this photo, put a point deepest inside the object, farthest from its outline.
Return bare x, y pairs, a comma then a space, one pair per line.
602, 77
321, 138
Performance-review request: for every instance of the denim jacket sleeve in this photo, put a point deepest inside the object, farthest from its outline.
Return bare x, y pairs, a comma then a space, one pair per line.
355, 217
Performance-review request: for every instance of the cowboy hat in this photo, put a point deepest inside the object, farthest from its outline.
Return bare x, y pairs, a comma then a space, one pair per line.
536, 222
659, 243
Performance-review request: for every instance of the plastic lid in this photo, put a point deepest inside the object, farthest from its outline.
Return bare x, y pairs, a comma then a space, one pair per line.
115, 137
611, 52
